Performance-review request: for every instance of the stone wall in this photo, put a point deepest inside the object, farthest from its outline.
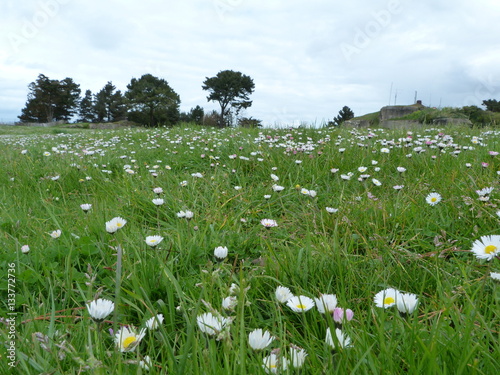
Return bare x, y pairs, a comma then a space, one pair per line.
397, 111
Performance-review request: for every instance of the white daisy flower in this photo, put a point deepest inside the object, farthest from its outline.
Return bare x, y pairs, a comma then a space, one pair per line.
300, 303
488, 247
259, 339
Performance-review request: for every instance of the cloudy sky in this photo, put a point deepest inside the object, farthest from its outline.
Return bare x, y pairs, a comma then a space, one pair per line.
307, 58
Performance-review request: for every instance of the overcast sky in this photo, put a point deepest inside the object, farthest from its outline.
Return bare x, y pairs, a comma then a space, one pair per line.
307, 58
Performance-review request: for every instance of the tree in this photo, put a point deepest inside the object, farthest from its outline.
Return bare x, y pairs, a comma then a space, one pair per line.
194, 115
249, 122
344, 114
492, 105
153, 101
87, 112
476, 115
51, 100
231, 90
110, 105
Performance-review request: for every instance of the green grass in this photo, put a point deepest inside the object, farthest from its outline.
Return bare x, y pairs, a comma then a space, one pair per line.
379, 238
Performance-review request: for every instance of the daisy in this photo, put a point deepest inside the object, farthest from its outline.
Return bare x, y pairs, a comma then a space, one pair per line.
211, 324
153, 240
283, 294
158, 190
376, 182
433, 199
267, 196
25, 249
398, 187
326, 303
86, 207
259, 339
55, 233
197, 175
154, 322
220, 252
345, 177
127, 338
484, 192
274, 177
387, 298
407, 303
487, 247
229, 303
298, 356
238, 188
268, 223
146, 363
300, 303
274, 364
362, 169
100, 308
158, 201
495, 275
344, 341
278, 188
331, 210
401, 169
114, 224
340, 315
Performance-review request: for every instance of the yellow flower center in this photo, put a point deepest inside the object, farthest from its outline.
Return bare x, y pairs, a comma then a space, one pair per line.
433, 199
118, 225
389, 300
300, 306
128, 341
490, 249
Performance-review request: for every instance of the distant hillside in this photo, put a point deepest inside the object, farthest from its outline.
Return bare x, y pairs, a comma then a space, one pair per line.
404, 115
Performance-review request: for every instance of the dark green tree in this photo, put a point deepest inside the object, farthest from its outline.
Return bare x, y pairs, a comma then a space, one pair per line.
87, 112
344, 114
51, 100
492, 105
152, 101
110, 105
476, 115
196, 114
231, 90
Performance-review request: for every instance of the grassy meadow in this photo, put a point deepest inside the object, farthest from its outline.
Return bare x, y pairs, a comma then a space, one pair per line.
347, 216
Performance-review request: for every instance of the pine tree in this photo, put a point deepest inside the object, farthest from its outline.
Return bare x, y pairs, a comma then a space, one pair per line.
344, 114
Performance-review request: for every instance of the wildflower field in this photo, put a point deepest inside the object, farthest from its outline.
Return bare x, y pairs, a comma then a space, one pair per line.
194, 250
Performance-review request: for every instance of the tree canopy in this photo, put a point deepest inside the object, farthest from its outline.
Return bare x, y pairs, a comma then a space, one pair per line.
231, 90
344, 114
110, 105
152, 101
492, 105
51, 100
